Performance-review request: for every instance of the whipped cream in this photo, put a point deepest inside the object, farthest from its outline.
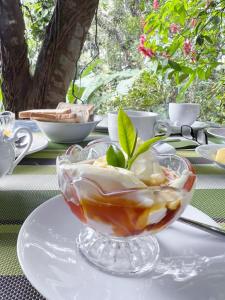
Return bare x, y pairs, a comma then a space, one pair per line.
109, 178
145, 167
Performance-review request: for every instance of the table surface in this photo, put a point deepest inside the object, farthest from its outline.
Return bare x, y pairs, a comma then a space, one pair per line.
34, 181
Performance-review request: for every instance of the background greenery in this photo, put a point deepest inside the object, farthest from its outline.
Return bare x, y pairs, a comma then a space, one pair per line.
114, 73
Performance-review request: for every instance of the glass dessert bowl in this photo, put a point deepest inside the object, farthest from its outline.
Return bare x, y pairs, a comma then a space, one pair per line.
123, 209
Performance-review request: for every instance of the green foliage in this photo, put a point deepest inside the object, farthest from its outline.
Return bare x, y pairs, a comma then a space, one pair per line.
93, 88
187, 39
119, 28
211, 97
147, 93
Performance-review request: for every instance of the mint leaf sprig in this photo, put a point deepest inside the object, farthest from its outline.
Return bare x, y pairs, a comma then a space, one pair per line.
128, 140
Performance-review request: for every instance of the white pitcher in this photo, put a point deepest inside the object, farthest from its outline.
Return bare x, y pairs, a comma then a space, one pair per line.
8, 160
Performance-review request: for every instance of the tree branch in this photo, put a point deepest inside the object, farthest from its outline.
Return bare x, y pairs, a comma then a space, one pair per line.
61, 49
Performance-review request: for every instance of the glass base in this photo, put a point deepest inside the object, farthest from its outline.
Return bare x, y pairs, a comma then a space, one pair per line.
119, 256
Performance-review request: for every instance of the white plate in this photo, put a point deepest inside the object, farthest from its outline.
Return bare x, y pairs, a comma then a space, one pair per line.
191, 265
39, 143
209, 152
217, 132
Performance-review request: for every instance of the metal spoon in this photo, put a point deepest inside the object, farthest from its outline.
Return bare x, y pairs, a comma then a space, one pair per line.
205, 227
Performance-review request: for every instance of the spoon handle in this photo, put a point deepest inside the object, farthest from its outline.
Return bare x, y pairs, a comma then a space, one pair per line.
205, 227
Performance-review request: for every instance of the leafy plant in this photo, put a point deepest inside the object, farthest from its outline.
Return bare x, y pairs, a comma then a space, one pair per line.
185, 39
88, 88
146, 93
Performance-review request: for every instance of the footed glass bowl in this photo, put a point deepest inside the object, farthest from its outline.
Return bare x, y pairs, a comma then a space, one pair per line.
120, 215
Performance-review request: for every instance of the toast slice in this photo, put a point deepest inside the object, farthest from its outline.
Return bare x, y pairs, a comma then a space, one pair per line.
27, 114
61, 118
84, 111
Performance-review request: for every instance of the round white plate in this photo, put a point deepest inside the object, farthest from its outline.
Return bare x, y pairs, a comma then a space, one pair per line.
191, 264
217, 132
39, 143
209, 152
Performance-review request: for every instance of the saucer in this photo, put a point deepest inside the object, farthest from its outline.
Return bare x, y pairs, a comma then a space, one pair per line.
209, 152
191, 263
217, 132
39, 143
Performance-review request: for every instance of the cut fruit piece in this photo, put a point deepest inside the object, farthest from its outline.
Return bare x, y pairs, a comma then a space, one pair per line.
220, 156
172, 205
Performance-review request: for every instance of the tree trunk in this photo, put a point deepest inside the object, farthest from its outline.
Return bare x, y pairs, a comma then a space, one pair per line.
14, 60
57, 60
65, 36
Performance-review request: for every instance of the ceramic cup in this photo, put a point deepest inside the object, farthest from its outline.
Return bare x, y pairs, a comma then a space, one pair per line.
183, 113
8, 159
146, 123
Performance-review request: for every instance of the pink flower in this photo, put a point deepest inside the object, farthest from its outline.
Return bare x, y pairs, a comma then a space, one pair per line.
174, 28
142, 39
147, 52
155, 4
193, 22
141, 48
187, 47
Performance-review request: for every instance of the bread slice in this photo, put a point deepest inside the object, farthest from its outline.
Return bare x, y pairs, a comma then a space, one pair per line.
27, 114
76, 107
47, 119
70, 117
85, 111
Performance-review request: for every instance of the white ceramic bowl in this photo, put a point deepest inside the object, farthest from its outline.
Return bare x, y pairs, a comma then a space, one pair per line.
209, 152
67, 132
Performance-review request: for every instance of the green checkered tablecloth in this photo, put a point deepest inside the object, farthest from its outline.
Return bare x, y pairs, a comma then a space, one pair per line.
34, 181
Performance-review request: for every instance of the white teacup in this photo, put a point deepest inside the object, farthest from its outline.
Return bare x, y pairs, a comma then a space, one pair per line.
183, 113
8, 160
146, 123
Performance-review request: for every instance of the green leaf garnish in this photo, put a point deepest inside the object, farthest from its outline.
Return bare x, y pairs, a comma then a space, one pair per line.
143, 148
115, 157
135, 143
127, 133
128, 142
